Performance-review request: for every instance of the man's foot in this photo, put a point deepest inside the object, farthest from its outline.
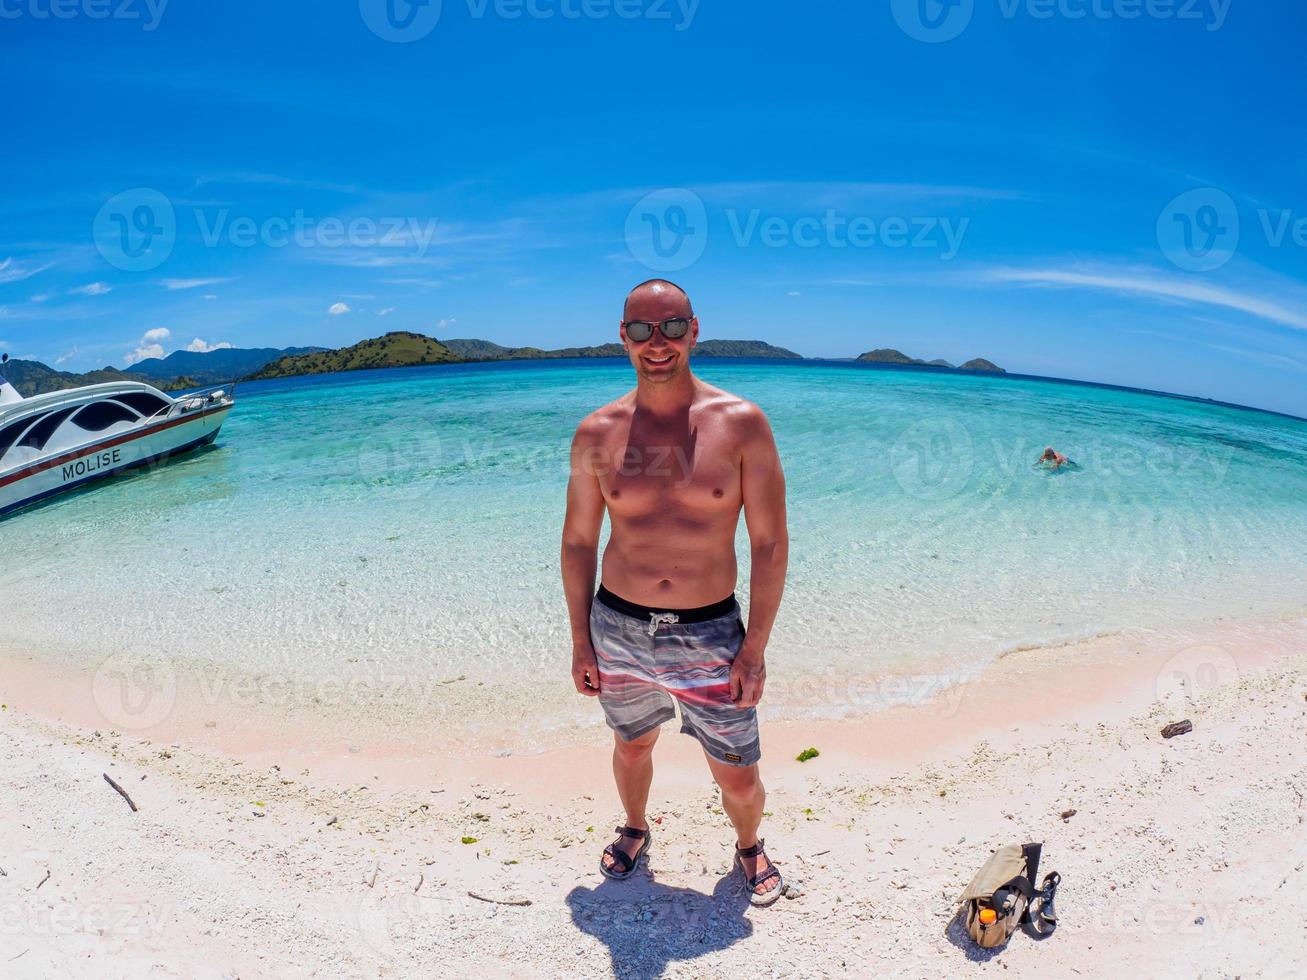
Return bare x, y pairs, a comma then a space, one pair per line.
763, 878
622, 855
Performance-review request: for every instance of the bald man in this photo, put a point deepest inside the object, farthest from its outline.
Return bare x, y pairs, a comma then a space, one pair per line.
673, 462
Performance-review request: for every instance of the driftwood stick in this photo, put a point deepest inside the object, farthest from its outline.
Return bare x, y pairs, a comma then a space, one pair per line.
121, 792
499, 901
43, 880
1177, 728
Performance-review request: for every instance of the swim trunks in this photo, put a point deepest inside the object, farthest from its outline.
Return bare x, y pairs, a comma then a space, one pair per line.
649, 658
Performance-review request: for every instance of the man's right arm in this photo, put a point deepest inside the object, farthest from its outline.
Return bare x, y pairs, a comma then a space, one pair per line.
580, 558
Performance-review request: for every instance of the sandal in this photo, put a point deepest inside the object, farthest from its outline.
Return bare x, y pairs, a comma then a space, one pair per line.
623, 864
755, 898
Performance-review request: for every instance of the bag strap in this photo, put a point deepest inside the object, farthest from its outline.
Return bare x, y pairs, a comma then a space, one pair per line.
1032, 854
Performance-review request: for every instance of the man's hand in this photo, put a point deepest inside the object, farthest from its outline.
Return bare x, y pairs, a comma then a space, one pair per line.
748, 674
585, 670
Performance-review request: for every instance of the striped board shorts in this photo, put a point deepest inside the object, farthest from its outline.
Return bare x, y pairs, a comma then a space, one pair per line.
650, 658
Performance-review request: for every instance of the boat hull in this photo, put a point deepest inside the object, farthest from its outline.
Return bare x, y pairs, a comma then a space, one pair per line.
97, 461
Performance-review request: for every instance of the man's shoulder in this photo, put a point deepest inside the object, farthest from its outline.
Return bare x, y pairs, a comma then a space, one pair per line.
737, 411
604, 419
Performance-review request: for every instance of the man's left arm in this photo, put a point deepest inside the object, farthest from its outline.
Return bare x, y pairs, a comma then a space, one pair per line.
763, 486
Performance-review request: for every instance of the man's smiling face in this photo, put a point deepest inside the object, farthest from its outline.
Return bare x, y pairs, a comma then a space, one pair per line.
659, 359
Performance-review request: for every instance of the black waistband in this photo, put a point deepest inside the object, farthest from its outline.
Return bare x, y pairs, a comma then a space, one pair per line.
700, 614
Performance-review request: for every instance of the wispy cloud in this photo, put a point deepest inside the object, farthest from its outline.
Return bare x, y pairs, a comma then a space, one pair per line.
90, 289
1160, 286
175, 284
386, 311
11, 271
66, 356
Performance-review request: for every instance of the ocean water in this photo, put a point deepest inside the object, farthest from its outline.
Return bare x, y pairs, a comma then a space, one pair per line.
398, 530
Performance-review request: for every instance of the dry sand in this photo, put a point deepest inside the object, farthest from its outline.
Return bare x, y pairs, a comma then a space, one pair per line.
1185, 857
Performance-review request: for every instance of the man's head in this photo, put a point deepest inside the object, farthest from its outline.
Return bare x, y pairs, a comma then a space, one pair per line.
657, 357
1049, 453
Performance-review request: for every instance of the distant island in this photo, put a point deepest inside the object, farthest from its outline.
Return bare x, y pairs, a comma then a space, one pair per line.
181, 369
888, 355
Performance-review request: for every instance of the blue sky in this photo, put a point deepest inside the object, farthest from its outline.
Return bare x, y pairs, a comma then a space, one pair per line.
1102, 189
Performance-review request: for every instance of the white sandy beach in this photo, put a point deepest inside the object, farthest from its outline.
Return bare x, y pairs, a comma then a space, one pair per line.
1185, 857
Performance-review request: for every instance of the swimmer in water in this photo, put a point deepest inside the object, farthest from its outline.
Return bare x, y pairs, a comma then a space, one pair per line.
1055, 459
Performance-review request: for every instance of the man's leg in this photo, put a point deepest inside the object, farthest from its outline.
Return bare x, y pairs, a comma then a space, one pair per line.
633, 773
743, 797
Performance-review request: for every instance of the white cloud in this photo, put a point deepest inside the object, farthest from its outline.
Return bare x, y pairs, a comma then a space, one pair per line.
11, 271
41, 297
189, 283
336, 309
200, 347
794, 292
64, 357
386, 312
1154, 284
210, 296
142, 353
148, 346
446, 323
91, 289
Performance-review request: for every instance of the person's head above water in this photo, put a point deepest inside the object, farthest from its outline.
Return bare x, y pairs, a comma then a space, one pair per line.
1049, 453
659, 329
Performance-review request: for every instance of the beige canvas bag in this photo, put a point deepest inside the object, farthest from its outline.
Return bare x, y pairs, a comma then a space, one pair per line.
1002, 892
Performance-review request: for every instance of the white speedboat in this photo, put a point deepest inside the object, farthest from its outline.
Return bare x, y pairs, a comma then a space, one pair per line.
64, 439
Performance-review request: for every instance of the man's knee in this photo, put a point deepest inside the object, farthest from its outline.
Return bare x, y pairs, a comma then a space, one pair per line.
737, 779
636, 747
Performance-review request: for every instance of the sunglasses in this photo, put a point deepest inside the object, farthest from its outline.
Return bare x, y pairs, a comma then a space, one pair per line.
641, 330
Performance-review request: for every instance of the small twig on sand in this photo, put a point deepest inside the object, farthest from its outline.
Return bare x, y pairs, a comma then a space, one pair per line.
418, 886
372, 880
499, 901
23, 953
1177, 728
43, 880
121, 792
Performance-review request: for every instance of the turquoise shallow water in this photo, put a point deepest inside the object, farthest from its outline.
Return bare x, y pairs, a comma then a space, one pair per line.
404, 525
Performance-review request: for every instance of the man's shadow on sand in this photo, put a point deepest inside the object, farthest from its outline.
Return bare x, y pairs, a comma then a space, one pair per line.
646, 925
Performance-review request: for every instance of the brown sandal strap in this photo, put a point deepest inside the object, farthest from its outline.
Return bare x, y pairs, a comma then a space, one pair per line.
752, 851
632, 832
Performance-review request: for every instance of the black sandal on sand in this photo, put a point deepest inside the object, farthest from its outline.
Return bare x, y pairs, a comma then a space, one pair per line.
623, 864
766, 898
